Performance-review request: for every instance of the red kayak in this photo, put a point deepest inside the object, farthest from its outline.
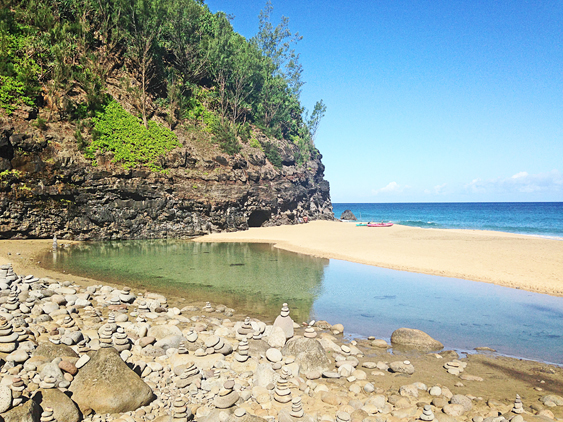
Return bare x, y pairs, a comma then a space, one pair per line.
380, 224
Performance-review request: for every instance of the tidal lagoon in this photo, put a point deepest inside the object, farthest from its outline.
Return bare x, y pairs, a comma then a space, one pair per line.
257, 278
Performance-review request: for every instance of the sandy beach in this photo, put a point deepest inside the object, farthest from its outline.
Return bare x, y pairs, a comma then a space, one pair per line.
518, 261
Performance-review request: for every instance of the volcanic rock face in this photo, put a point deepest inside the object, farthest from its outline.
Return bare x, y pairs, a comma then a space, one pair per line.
47, 187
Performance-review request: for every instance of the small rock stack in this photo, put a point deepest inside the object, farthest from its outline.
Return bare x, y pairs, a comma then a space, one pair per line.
246, 329
285, 322
282, 393
8, 339
17, 388
455, 367
296, 408
227, 396
47, 415
518, 408
180, 412
427, 414
120, 340
106, 337
242, 351
310, 332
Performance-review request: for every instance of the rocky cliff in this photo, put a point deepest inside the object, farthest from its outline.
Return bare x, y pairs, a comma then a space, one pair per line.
48, 187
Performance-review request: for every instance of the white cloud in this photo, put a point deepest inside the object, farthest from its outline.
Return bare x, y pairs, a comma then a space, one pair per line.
521, 182
392, 187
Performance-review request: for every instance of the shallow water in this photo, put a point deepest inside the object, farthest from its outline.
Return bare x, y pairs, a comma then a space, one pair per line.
258, 278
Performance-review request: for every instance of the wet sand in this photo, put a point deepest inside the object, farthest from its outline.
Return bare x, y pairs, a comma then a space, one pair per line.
518, 261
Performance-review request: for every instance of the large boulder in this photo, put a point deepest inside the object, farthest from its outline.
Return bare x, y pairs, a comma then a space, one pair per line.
309, 354
25, 412
348, 215
412, 339
52, 351
107, 385
64, 409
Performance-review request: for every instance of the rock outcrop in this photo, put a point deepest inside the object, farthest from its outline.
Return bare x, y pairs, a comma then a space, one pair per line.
348, 215
48, 187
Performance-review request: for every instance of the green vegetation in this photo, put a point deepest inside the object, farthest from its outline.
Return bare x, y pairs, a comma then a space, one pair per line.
131, 142
173, 58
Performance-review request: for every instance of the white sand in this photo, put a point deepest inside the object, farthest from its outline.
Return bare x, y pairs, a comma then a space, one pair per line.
511, 260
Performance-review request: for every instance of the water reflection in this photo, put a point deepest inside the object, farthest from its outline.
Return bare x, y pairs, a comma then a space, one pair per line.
256, 278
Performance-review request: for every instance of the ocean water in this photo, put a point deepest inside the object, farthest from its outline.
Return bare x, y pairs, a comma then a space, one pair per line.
257, 278
530, 218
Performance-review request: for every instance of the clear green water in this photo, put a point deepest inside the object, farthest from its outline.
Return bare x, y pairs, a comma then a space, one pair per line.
253, 278
256, 279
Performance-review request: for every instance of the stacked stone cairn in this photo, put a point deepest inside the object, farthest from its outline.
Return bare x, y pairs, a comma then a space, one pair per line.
190, 375
245, 329
310, 332
242, 351
427, 414
227, 397
296, 408
120, 341
143, 307
182, 349
282, 393
106, 336
285, 322
8, 339
17, 388
518, 408
47, 415
455, 367
180, 412
208, 308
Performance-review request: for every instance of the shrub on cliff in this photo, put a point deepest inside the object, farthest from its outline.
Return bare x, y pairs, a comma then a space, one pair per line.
131, 142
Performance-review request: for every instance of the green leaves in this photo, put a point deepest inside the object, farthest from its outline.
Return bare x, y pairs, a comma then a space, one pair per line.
132, 143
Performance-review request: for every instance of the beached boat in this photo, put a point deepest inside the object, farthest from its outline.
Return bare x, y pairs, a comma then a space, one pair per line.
380, 224
362, 224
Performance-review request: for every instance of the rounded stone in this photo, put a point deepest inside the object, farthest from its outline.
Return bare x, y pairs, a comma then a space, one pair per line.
274, 355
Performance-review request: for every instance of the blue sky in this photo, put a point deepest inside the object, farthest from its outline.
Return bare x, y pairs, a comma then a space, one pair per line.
430, 101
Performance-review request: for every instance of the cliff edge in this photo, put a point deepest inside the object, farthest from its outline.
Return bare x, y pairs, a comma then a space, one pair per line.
48, 187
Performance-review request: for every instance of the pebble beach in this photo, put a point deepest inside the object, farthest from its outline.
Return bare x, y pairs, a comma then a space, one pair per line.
75, 349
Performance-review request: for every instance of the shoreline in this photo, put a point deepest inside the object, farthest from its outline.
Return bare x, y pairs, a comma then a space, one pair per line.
506, 259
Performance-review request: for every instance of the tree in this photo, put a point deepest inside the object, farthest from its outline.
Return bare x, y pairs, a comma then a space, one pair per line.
144, 20
314, 120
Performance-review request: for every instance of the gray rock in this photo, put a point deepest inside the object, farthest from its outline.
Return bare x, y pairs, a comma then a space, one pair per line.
463, 400
348, 215
552, 400
161, 331
107, 385
401, 367
309, 354
412, 339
